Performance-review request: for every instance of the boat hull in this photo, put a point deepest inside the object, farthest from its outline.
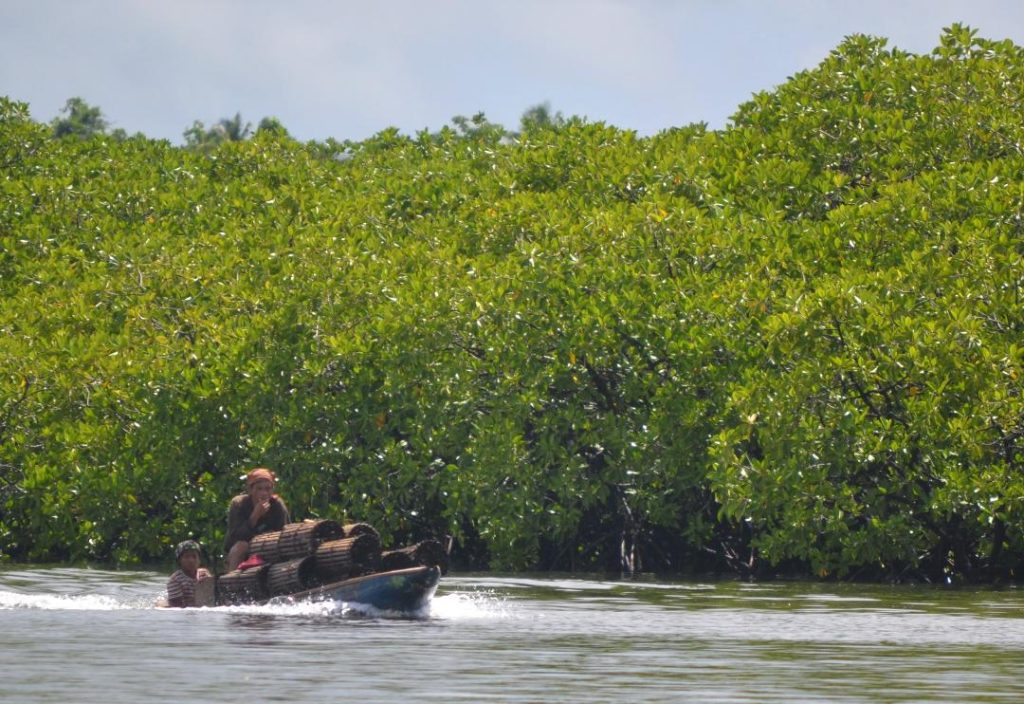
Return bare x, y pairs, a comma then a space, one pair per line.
397, 590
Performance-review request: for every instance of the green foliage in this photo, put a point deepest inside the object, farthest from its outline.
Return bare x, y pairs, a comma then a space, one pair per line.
882, 400
793, 344
272, 125
80, 120
540, 117
228, 129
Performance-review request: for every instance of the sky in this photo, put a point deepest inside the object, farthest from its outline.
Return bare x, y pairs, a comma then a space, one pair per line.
347, 70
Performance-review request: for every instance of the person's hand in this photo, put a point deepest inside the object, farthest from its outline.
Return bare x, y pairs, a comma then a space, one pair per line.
259, 510
202, 574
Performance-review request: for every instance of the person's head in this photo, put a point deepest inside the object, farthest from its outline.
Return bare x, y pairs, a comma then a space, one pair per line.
259, 483
189, 555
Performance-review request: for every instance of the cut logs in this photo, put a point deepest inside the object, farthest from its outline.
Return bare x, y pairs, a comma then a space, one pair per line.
302, 539
265, 545
243, 586
292, 576
348, 557
426, 552
307, 555
353, 529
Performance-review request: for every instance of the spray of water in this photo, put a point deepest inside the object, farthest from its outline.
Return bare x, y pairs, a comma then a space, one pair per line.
97, 590
62, 602
465, 606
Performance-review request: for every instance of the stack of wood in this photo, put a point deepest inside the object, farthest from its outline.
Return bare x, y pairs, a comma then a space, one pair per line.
302, 539
426, 552
305, 555
348, 557
289, 562
291, 576
243, 586
265, 545
353, 529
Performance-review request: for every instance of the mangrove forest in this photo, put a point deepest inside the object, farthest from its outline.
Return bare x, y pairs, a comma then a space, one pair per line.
791, 346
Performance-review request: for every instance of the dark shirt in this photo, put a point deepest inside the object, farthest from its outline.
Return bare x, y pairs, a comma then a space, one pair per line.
238, 519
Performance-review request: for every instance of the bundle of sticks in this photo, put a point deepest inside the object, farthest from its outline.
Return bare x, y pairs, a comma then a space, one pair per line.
311, 553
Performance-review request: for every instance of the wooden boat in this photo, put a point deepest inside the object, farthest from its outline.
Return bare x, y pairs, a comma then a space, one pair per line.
406, 590
322, 560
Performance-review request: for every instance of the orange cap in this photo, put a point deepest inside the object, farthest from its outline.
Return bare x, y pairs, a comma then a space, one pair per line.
258, 474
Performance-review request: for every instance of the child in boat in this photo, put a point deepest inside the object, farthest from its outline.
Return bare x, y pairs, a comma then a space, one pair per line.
181, 587
258, 510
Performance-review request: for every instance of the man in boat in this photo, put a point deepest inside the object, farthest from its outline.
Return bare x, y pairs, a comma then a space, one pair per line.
258, 510
183, 583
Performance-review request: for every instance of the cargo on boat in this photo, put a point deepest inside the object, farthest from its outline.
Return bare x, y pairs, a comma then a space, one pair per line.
324, 560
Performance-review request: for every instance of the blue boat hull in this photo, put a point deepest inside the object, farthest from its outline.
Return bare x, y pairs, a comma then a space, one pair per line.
398, 590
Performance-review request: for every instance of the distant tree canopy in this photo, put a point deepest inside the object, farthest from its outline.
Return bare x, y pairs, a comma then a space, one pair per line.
229, 129
273, 126
540, 117
477, 127
80, 120
790, 346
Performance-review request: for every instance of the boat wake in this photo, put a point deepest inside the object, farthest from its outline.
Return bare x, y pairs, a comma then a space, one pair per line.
69, 602
462, 606
73, 589
466, 606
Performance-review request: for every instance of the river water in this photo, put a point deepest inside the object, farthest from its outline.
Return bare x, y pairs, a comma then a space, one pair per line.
89, 635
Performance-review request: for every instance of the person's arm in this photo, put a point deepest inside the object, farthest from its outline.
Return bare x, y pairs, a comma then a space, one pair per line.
238, 523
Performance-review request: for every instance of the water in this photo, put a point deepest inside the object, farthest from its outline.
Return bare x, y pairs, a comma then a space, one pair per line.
79, 635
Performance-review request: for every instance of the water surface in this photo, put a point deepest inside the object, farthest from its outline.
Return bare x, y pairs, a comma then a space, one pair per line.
84, 635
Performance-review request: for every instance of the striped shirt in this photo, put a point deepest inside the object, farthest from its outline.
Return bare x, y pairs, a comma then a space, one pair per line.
181, 586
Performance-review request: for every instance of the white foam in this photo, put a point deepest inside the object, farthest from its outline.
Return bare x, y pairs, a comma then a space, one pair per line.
458, 606
300, 608
464, 606
61, 602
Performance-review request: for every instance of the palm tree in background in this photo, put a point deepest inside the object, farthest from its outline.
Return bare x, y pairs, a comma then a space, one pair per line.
228, 129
